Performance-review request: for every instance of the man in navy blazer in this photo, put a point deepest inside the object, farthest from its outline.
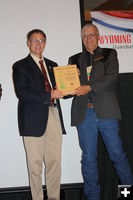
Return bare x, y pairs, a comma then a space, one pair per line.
38, 121
94, 107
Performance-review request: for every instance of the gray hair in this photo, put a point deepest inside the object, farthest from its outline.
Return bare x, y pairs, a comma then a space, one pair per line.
87, 26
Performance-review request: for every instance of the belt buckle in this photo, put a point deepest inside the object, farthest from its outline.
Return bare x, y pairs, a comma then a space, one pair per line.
90, 105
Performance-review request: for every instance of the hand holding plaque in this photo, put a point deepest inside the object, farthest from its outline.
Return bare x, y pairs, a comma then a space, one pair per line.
67, 78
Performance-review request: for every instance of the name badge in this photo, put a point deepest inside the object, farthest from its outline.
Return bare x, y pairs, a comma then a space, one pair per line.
88, 72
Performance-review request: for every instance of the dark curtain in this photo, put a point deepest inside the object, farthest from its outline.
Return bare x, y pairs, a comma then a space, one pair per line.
108, 177
125, 97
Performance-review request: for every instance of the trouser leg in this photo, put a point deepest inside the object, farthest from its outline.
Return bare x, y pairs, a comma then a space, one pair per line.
34, 152
52, 155
88, 132
110, 134
47, 148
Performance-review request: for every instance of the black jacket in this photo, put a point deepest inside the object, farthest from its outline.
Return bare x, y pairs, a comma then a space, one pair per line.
103, 79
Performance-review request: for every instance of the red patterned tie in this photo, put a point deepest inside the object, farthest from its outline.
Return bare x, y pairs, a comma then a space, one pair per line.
46, 81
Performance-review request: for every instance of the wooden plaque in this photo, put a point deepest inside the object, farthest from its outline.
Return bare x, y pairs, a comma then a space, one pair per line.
67, 78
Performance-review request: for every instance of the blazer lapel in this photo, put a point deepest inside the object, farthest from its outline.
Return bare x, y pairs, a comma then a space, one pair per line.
83, 63
33, 66
97, 57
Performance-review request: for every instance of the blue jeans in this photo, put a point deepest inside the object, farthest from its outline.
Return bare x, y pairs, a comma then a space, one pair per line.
88, 136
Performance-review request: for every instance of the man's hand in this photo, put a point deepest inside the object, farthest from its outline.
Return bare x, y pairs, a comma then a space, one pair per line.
56, 94
82, 90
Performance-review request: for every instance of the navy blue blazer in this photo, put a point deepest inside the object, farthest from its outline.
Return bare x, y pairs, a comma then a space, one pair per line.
34, 101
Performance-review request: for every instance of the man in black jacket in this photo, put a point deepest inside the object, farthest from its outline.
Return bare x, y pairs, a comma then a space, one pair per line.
38, 119
94, 107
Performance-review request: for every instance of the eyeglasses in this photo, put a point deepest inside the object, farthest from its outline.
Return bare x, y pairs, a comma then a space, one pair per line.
92, 35
36, 41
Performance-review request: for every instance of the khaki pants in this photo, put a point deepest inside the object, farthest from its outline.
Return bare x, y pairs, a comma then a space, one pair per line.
46, 148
